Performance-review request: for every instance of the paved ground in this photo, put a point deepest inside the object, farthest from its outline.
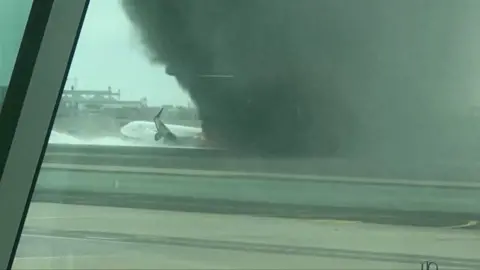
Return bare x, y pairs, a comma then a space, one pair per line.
407, 202
442, 168
263, 209
91, 237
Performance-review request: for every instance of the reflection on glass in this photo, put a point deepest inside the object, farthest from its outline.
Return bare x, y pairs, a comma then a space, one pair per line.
350, 126
13, 18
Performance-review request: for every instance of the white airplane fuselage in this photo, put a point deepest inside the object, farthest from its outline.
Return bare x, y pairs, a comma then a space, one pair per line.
145, 131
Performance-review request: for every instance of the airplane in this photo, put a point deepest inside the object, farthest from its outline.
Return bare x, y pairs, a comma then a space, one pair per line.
155, 131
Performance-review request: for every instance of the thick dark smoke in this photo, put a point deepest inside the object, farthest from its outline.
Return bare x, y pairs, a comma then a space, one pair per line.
323, 77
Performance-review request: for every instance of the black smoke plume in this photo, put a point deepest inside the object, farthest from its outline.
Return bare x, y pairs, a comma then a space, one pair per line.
322, 77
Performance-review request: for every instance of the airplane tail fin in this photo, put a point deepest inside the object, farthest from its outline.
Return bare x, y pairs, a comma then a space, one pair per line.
162, 130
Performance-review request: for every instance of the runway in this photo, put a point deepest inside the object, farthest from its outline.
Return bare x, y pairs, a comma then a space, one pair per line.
419, 218
382, 201
145, 208
442, 169
90, 237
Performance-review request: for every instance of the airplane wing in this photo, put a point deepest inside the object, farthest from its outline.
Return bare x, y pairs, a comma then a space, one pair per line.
162, 130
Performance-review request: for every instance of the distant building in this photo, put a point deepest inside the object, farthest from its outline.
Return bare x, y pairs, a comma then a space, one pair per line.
93, 101
76, 104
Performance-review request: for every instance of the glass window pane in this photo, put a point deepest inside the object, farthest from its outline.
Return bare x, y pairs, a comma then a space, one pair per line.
40, 67
13, 18
264, 135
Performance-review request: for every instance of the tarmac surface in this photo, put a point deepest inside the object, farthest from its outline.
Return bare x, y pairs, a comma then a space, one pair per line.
62, 236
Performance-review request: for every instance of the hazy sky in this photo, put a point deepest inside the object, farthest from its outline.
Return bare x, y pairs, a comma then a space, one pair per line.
109, 54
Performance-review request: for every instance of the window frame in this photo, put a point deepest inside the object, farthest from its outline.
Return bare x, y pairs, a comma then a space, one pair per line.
38, 77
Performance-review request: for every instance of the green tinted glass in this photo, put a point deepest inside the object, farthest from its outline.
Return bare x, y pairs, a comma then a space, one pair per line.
13, 18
